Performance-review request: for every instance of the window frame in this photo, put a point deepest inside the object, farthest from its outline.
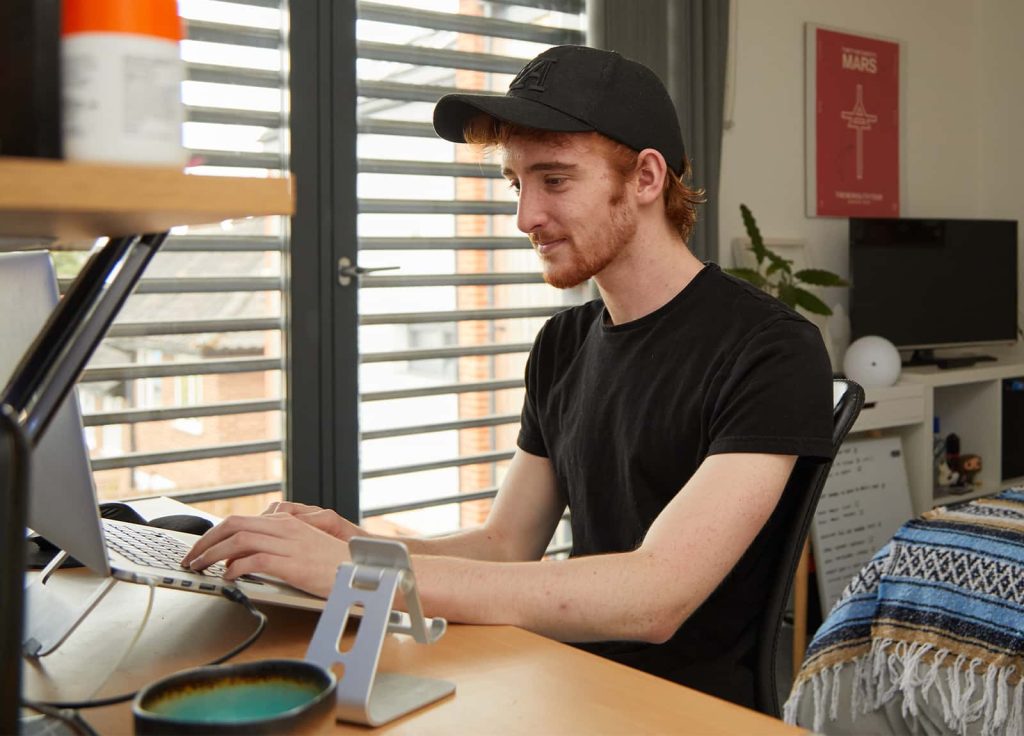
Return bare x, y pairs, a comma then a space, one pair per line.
322, 458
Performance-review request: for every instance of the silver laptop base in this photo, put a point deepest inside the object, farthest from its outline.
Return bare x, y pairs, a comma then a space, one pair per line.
379, 569
48, 619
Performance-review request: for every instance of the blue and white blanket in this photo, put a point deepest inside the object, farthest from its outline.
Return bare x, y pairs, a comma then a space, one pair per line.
944, 599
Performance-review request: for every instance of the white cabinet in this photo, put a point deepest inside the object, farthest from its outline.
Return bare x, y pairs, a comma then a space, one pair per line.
967, 402
895, 406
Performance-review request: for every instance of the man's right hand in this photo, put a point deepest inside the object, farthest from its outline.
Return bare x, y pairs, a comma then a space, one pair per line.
323, 519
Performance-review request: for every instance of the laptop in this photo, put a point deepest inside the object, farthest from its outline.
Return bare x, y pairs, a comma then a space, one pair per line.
62, 504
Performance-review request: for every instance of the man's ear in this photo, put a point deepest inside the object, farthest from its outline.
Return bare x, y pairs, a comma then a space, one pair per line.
650, 176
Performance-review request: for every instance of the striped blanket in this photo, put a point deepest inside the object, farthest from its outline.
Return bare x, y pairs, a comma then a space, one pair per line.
944, 599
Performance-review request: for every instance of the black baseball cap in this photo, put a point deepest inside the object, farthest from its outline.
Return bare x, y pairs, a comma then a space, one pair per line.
575, 89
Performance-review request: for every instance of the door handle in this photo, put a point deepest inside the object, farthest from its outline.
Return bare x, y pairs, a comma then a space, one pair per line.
348, 270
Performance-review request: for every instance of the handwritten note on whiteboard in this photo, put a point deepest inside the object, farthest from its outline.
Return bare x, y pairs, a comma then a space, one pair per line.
865, 500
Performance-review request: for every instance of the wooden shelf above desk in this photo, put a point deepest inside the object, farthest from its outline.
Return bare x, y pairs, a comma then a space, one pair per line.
49, 203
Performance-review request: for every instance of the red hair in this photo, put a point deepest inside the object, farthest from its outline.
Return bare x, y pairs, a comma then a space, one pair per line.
680, 199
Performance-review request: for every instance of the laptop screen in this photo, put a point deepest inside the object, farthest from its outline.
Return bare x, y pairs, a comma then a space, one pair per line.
62, 503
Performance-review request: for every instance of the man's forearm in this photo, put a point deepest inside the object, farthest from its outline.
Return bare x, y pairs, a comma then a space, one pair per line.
521, 521
645, 594
475, 544
620, 596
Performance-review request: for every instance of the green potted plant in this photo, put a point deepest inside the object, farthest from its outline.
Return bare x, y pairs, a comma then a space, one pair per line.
775, 275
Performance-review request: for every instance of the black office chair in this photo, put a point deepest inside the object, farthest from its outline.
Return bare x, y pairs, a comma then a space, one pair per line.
805, 483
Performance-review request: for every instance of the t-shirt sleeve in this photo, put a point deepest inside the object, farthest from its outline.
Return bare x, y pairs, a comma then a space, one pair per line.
531, 439
776, 396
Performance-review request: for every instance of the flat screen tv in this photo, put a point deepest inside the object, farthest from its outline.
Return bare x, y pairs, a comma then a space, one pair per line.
933, 283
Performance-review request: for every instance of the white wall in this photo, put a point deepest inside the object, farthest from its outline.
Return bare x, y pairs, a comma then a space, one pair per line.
1001, 135
1001, 132
964, 115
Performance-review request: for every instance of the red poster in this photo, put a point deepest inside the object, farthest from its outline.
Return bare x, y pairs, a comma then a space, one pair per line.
856, 122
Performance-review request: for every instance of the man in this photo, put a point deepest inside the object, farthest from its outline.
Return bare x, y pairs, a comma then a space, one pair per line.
666, 415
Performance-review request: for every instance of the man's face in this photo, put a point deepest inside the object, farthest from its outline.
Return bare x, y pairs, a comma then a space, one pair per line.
574, 206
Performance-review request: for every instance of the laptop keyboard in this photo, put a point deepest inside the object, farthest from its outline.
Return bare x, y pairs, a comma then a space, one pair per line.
145, 546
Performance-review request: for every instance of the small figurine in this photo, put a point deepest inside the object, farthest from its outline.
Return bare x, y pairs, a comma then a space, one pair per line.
946, 477
970, 466
953, 455
955, 472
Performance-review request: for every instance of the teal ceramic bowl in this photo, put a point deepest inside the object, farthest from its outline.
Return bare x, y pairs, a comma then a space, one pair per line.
273, 696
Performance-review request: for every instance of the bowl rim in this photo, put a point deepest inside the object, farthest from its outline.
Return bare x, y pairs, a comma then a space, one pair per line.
205, 673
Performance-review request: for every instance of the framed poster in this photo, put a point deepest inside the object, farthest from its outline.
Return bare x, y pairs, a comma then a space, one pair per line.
854, 145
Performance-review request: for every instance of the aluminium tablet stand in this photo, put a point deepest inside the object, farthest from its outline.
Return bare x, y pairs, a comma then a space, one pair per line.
378, 569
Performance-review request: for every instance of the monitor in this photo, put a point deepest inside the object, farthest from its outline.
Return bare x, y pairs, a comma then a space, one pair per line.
933, 283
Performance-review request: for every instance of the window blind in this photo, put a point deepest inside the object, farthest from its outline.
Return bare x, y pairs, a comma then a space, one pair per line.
444, 338
184, 397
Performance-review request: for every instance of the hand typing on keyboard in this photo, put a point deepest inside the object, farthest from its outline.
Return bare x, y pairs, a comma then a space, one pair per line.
275, 543
323, 519
146, 546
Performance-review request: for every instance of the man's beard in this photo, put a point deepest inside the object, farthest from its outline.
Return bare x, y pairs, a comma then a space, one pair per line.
598, 253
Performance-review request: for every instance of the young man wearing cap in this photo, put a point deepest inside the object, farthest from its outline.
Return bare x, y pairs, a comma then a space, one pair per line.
666, 415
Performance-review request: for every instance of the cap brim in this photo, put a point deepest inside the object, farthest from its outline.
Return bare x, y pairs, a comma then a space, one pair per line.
452, 112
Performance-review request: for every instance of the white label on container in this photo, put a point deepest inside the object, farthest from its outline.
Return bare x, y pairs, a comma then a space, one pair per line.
122, 99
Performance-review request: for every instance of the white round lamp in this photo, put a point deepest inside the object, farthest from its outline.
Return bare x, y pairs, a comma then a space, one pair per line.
872, 361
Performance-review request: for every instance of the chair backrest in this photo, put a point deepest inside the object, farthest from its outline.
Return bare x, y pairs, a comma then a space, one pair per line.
806, 482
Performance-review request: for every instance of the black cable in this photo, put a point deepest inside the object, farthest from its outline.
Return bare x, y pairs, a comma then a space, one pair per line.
232, 594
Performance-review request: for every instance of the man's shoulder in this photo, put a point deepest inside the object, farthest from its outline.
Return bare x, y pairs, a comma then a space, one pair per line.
733, 311
742, 298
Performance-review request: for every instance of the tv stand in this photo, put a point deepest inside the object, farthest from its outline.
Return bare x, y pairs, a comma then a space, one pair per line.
967, 402
928, 357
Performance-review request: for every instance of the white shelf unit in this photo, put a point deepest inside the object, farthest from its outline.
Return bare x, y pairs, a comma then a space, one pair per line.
967, 401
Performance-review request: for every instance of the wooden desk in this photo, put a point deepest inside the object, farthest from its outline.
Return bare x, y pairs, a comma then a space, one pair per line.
509, 681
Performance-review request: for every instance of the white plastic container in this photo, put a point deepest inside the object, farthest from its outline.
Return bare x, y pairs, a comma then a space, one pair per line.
122, 75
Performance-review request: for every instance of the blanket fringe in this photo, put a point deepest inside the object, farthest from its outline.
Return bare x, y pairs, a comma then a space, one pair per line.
974, 691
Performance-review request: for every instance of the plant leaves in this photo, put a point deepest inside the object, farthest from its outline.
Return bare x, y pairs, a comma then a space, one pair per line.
748, 274
811, 303
787, 294
783, 286
756, 241
820, 277
778, 263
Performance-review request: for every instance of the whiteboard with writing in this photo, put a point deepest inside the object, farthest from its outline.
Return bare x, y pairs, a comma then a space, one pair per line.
865, 500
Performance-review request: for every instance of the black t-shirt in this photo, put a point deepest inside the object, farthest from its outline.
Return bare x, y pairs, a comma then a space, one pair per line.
626, 414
